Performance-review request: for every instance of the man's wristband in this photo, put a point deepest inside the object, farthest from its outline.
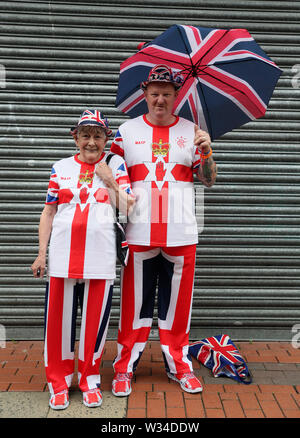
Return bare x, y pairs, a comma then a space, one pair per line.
205, 156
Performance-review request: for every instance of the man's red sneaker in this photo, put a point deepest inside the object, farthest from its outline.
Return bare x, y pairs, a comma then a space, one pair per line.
187, 381
121, 385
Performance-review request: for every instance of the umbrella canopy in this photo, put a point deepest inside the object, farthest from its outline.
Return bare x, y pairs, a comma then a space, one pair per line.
228, 79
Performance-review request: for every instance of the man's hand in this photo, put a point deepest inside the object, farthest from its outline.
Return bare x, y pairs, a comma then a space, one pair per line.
202, 140
207, 172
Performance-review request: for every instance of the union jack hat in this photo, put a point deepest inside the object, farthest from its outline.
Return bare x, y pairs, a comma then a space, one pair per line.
92, 117
163, 73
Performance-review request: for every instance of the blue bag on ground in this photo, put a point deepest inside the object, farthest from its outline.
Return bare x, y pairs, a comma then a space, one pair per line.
221, 356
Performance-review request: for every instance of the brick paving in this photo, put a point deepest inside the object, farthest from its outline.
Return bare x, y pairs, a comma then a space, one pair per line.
274, 392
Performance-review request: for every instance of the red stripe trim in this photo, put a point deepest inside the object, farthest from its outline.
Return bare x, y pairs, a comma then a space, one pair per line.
95, 300
54, 321
126, 335
161, 128
159, 198
78, 240
159, 215
57, 368
180, 326
76, 158
116, 149
53, 185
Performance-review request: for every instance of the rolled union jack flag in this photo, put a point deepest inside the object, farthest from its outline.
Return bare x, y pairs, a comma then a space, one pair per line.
122, 244
219, 354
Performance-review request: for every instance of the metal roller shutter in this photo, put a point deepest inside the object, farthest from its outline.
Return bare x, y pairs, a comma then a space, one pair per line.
59, 57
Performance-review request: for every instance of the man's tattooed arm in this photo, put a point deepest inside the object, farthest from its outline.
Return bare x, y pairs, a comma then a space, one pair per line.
207, 172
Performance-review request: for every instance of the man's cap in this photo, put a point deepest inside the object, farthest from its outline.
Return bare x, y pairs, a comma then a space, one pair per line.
163, 73
92, 117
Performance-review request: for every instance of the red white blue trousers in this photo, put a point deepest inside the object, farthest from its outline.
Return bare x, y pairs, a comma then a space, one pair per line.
62, 298
170, 270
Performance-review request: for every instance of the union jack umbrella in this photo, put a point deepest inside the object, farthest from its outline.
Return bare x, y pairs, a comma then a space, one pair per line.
221, 356
228, 79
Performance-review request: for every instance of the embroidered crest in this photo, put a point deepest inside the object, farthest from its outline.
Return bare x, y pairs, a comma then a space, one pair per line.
160, 149
86, 177
181, 142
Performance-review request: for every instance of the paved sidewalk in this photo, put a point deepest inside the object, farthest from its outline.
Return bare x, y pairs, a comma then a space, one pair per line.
274, 393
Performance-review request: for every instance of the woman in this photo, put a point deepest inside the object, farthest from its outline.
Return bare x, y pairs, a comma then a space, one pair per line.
82, 258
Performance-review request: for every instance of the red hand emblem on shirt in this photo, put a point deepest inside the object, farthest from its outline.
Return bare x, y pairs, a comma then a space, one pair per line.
160, 171
83, 195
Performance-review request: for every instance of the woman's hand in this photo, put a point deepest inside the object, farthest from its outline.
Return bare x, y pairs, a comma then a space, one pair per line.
104, 172
119, 198
38, 266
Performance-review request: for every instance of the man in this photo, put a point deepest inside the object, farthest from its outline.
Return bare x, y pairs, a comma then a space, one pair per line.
162, 152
